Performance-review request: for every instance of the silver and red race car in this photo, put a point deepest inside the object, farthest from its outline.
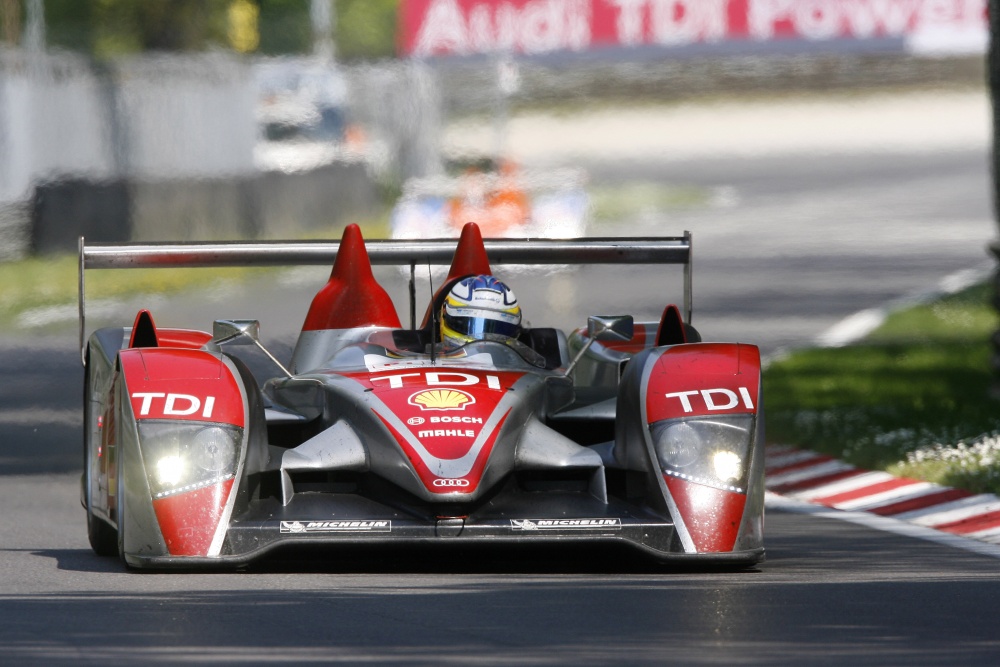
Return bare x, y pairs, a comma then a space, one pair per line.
201, 449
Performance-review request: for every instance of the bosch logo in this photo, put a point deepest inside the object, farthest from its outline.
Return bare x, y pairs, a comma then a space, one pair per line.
415, 421
451, 483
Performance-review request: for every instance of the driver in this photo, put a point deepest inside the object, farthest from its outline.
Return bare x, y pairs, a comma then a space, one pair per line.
480, 308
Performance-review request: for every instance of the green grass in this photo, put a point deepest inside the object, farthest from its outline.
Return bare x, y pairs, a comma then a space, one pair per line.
913, 397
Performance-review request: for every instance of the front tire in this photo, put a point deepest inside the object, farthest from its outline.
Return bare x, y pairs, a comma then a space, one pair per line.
103, 537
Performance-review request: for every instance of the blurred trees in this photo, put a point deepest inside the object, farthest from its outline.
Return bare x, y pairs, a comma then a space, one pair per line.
366, 29
11, 21
363, 29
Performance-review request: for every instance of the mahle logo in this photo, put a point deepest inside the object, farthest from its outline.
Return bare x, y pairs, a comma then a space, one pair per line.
441, 399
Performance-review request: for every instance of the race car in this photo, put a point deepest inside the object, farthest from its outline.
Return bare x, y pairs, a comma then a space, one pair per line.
201, 449
505, 202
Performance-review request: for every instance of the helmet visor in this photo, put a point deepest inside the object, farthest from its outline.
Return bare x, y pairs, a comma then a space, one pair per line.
478, 327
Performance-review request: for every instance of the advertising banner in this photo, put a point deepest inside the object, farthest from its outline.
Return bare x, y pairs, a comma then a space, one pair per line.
431, 28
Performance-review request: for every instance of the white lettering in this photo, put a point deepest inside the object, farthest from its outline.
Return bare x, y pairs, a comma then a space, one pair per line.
438, 379
688, 21
537, 26
456, 420
826, 19
715, 399
443, 30
630, 21
175, 405
446, 433
170, 406
707, 394
395, 381
147, 400
685, 401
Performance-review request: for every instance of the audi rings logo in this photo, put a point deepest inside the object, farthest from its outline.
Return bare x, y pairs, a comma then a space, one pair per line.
451, 482
415, 421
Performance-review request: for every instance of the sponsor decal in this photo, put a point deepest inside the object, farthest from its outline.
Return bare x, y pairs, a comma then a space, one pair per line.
438, 379
415, 421
341, 526
446, 433
451, 483
174, 405
565, 524
466, 27
447, 419
376, 363
714, 399
442, 399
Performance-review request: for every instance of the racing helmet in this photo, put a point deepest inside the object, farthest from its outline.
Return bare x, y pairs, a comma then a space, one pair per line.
479, 308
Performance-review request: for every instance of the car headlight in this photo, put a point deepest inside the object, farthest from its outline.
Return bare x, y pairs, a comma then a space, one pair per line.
711, 450
185, 456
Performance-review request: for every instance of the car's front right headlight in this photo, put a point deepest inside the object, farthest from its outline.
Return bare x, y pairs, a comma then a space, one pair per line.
709, 450
183, 456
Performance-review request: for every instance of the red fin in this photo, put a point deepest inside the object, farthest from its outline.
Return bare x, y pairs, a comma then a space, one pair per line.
671, 329
470, 254
469, 260
352, 297
143, 331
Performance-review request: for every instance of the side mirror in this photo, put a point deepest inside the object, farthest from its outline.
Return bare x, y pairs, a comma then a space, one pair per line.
606, 328
610, 327
241, 332
236, 332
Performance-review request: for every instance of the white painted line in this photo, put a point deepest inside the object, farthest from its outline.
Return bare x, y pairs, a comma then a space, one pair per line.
860, 324
883, 523
802, 474
861, 480
958, 510
906, 492
987, 535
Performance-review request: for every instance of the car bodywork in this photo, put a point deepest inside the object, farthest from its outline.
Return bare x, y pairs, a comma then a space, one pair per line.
618, 432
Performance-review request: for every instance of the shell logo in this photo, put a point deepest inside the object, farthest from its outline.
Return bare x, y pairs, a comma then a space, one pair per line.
441, 399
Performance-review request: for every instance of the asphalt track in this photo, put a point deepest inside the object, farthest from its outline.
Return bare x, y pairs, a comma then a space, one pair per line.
793, 244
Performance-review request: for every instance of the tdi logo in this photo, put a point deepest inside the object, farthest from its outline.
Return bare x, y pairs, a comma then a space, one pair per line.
177, 405
714, 399
451, 482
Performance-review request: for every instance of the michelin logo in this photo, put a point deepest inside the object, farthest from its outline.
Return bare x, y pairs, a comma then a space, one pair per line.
565, 524
380, 526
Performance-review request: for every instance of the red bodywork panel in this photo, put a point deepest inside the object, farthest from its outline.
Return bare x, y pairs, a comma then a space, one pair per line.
181, 384
701, 380
185, 385
445, 413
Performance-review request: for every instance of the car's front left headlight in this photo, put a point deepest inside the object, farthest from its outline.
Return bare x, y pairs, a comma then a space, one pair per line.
710, 450
185, 456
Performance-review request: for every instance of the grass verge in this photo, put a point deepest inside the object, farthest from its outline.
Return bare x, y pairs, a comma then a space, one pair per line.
912, 398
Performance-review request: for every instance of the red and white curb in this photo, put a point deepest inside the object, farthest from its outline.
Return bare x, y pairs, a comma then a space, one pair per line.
821, 480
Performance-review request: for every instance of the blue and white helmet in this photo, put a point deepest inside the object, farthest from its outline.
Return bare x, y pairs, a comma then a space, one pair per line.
479, 308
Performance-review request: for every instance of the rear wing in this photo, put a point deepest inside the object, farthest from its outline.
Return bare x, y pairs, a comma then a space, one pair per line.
412, 252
